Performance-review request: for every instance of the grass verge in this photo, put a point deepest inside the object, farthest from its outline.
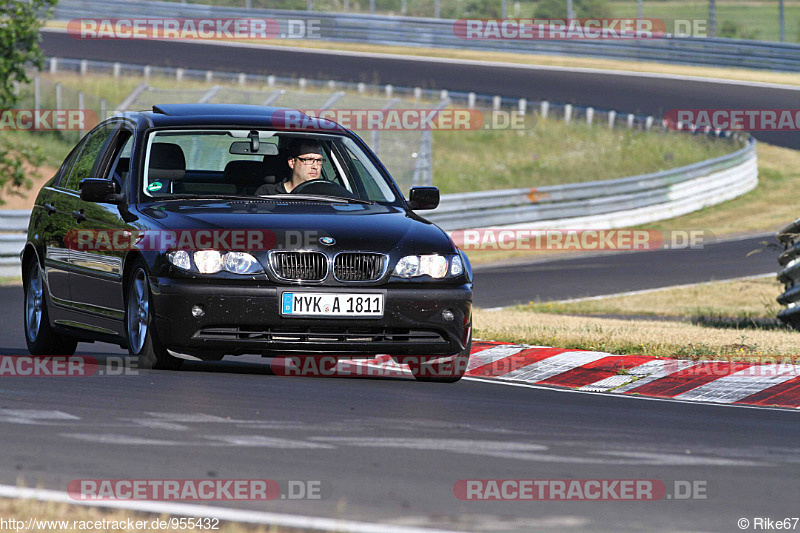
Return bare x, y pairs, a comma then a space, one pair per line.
742, 299
78, 519
732, 319
630, 337
764, 209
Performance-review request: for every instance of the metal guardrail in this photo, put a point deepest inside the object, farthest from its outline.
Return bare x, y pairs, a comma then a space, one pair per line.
438, 33
684, 189
789, 237
11, 244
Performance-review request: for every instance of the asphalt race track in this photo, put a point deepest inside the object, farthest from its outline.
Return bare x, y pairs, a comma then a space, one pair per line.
595, 275
653, 95
391, 450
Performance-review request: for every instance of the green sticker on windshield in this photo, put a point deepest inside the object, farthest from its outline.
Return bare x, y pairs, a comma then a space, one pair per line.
155, 186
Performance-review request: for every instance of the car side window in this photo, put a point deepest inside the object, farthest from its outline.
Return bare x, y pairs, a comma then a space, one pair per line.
89, 156
66, 166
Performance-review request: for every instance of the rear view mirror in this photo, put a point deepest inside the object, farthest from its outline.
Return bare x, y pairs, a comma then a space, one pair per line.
245, 148
423, 198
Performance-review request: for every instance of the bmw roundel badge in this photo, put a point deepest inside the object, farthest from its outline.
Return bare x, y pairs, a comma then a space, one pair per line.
327, 241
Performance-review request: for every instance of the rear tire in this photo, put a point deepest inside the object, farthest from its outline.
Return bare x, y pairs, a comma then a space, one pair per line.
39, 335
442, 372
140, 327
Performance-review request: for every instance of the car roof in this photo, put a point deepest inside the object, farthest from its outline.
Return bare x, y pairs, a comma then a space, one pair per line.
239, 115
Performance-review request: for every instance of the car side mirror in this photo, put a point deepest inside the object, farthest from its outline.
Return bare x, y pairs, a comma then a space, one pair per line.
99, 190
423, 198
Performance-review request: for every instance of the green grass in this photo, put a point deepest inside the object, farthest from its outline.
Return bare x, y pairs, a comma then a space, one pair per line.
550, 152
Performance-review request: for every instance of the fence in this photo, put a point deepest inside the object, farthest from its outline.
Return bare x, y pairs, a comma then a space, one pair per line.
438, 33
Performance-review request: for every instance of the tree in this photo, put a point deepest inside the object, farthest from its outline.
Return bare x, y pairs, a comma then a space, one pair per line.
20, 22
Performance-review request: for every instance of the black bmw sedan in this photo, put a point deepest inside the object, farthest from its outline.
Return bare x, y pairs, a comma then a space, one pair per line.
195, 231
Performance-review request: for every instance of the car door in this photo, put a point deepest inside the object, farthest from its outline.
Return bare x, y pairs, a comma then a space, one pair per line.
96, 274
55, 222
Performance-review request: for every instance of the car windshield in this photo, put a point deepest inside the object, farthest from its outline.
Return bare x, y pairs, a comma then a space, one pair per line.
255, 163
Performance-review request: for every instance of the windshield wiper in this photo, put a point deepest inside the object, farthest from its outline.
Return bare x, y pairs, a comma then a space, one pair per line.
332, 199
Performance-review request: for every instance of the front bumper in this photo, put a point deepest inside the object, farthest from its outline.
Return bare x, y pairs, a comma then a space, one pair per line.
243, 319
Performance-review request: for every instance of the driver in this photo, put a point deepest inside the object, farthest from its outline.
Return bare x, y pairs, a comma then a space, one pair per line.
305, 159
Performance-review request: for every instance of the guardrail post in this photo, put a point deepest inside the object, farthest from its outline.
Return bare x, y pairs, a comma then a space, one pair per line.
389, 90
630, 120
568, 113
117, 68
648, 123
471, 100
179, 74
37, 97
544, 108
271, 81
612, 118
81, 106
103, 109
58, 96
209, 76
444, 95
522, 106
361, 87
53, 65
146, 72
302, 82
496, 101
242, 78
84, 67
417, 93
437, 9
589, 115
331, 84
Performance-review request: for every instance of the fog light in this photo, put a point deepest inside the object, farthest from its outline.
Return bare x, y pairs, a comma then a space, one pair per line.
448, 315
198, 311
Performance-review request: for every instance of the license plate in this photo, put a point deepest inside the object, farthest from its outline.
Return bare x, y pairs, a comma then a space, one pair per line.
332, 304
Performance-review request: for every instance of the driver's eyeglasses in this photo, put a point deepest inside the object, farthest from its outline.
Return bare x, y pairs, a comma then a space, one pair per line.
311, 161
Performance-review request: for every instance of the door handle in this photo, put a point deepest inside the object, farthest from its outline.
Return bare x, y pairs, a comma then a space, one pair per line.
78, 215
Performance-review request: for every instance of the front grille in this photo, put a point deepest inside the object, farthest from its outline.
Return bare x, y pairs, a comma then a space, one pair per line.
330, 335
355, 266
300, 266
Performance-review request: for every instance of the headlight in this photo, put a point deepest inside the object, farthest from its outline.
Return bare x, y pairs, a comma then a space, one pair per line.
180, 259
208, 261
241, 263
435, 266
212, 261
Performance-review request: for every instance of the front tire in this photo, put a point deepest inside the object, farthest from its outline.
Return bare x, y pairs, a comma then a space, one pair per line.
140, 328
39, 335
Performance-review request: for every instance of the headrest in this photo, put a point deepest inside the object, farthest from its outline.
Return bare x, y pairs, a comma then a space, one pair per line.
244, 172
275, 168
166, 161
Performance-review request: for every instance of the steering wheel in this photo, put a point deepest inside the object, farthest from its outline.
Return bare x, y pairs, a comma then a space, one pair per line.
322, 187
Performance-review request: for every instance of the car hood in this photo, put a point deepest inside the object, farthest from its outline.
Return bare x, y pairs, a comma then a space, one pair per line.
375, 227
